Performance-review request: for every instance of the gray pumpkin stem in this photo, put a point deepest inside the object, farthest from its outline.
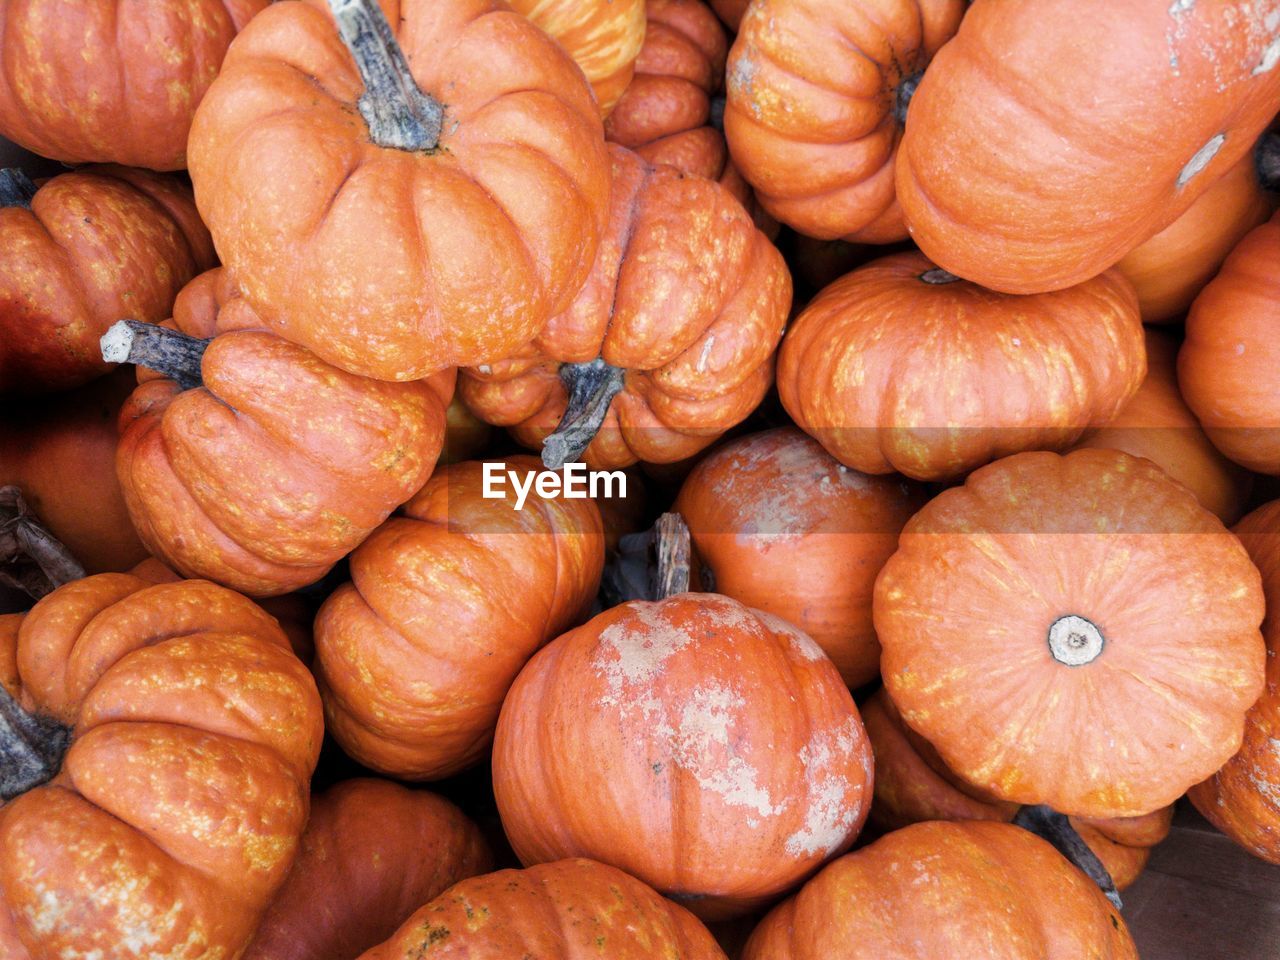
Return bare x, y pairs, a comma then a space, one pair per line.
1047, 824
168, 352
32, 559
592, 387
16, 189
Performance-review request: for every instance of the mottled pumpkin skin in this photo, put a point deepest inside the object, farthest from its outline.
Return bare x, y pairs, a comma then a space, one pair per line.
938, 890
964, 611
1025, 176
98, 245
1227, 363
891, 372
111, 81
686, 295
280, 464
179, 807
373, 853
708, 749
786, 528
812, 116
448, 600
568, 910
391, 263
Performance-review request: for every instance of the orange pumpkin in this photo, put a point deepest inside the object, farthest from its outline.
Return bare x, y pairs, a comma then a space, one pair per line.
1024, 166
669, 344
817, 98
84, 250
465, 435
162, 739
940, 890
1074, 631
901, 366
449, 210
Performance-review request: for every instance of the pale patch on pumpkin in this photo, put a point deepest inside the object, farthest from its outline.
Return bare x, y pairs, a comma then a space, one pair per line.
702, 739
1201, 159
832, 812
800, 642
642, 642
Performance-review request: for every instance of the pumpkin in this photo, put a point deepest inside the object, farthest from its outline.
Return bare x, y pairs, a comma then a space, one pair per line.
817, 98
706, 748
268, 465
465, 435
785, 528
447, 601
1075, 631
159, 740
940, 889
1024, 166
82, 251
569, 910
901, 366
373, 853
446, 214
669, 344
1157, 424
1227, 363
731, 11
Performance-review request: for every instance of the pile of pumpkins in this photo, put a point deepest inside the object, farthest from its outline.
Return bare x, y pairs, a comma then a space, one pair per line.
878, 303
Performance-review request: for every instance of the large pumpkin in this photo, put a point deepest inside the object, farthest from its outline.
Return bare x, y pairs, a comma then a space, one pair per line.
901, 366
944, 890
785, 528
447, 602
159, 740
1026, 165
272, 464
669, 344
447, 212
84, 250
817, 98
1075, 631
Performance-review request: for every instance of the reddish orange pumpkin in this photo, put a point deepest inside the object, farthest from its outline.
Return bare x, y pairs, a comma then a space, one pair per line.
447, 233
901, 366
164, 781
1024, 166
1075, 631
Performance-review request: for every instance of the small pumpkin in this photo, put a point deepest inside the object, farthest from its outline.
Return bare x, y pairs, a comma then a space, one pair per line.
900, 366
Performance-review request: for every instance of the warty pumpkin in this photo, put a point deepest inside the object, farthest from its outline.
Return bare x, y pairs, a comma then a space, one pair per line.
902, 366
668, 345
1024, 166
457, 181
1076, 631
158, 743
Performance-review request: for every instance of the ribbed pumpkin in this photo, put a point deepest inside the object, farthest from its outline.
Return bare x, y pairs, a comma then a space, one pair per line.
159, 740
901, 366
946, 890
817, 98
447, 213
669, 344
1025, 175
84, 250
1075, 631
447, 602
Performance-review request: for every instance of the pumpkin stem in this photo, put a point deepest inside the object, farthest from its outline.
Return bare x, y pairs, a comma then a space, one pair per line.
168, 352
715, 118
31, 748
592, 387
937, 276
674, 553
398, 113
16, 189
1266, 159
1047, 824
1075, 641
31, 558
651, 565
902, 96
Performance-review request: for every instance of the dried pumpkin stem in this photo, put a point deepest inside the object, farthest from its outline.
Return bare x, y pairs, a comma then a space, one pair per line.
592, 387
32, 559
674, 556
902, 96
1047, 824
31, 748
168, 352
1266, 159
1075, 641
937, 277
16, 189
400, 116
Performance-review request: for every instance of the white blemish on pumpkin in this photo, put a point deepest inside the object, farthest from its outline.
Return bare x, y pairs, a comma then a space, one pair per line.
834, 801
1270, 57
485, 369
1201, 159
1179, 7
702, 739
800, 642
1016, 341
706, 352
642, 642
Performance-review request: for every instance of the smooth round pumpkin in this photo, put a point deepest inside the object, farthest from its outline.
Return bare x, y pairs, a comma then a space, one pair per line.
783, 527
899, 366
180, 734
447, 601
84, 250
708, 749
1025, 166
669, 344
817, 98
1076, 631
940, 889
443, 235
373, 853
1227, 363
276, 464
